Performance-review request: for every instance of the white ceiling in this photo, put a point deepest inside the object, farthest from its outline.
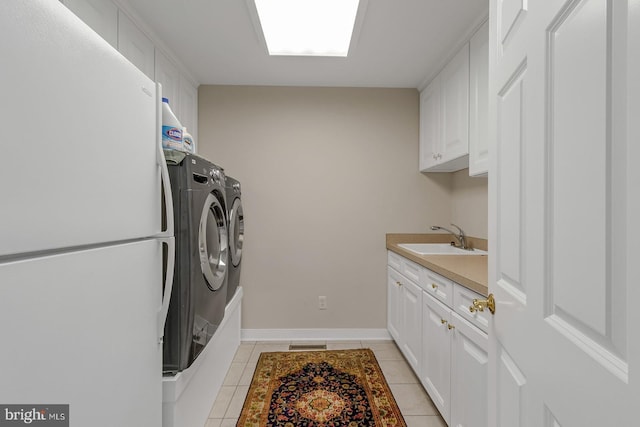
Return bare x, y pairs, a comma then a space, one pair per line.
401, 43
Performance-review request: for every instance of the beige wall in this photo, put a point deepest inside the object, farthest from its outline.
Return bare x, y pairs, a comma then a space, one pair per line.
325, 173
469, 208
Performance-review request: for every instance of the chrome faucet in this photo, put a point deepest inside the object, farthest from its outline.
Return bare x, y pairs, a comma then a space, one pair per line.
462, 240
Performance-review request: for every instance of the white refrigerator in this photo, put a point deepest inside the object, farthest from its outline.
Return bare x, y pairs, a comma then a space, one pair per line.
83, 290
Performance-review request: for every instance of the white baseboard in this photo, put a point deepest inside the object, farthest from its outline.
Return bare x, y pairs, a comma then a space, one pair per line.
337, 334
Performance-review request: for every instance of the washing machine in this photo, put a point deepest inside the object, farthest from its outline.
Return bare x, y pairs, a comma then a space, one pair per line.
236, 233
199, 293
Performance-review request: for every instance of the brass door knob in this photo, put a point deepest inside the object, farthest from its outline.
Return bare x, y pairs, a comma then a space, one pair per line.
481, 304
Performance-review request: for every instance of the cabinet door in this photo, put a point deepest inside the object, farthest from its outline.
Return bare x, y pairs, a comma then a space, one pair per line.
189, 106
469, 370
479, 102
100, 15
394, 301
436, 354
430, 125
455, 107
412, 324
168, 75
135, 46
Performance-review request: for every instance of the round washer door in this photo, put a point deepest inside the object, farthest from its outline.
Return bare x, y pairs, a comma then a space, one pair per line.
236, 229
213, 240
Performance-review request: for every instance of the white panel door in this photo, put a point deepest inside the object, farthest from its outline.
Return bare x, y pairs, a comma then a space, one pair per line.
412, 324
564, 205
435, 374
454, 104
80, 328
135, 46
100, 15
82, 163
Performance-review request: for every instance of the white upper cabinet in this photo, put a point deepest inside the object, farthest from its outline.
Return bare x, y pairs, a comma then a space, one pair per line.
444, 118
135, 46
430, 125
100, 15
454, 102
113, 25
479, 102
168, 75
188, 107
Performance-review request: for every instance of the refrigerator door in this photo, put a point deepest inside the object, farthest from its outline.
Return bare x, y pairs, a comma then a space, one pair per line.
80, 134
84, 333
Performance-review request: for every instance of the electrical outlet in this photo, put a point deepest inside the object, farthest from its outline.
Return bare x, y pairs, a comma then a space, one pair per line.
322, 302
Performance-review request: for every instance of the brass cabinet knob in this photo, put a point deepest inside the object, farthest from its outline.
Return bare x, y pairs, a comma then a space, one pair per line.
398, 283
481, 304
450, 326
443, 321
434, 286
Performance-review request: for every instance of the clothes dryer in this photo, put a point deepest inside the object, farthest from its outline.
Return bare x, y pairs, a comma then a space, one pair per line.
199, 292
236, 233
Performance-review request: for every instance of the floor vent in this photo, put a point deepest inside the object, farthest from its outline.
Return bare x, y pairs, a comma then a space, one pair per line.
298, 347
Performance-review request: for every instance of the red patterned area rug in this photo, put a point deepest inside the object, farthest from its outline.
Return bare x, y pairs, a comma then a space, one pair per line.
337, 388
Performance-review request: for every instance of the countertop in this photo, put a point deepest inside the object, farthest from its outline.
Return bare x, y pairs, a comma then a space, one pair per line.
471, 271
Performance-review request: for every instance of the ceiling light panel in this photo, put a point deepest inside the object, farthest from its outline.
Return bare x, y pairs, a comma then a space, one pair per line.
307, 27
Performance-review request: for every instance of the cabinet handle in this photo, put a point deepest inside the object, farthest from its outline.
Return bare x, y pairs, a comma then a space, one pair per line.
481, 304
443, 321
450, 326
434, 286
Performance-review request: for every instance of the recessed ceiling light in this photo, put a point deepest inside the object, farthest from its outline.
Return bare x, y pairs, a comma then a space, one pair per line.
307, 27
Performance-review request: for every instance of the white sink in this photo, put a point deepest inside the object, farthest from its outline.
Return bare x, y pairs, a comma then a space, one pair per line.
439, 249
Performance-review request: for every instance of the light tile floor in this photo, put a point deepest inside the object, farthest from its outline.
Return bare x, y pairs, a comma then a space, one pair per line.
415, 405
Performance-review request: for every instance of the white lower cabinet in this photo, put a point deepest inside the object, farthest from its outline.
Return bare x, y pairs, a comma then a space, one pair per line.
444, 342
469, 370
404, 311
394, 301
454, 364
411, 322
436, 354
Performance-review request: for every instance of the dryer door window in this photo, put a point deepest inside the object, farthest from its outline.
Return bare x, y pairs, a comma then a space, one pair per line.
213, 243
236, 229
